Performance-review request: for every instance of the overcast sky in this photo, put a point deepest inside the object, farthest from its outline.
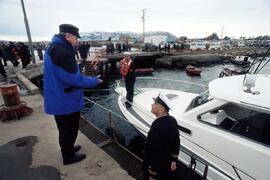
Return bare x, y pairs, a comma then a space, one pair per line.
192, 18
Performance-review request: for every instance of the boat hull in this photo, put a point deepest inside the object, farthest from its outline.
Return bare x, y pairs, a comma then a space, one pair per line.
226, 155
193, 71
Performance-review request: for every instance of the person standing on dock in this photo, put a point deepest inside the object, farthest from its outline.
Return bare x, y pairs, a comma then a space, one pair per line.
24, 54
63, 95
162, 143
2, 69
127, 70
83, 50
39, 51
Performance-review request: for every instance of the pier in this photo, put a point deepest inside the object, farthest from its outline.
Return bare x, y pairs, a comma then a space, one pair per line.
141, 59
29, 146
29, 150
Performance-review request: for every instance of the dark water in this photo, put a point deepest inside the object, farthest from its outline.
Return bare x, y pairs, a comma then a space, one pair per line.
107, 97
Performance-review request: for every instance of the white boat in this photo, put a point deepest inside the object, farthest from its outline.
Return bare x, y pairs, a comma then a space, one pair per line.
241, 60
225, 129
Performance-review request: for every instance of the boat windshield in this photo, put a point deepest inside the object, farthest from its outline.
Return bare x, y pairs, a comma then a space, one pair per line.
199, 100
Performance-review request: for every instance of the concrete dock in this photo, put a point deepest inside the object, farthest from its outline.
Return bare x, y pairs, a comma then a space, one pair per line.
29, 150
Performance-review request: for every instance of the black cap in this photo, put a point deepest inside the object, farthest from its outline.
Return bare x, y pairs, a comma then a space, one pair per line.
69, 28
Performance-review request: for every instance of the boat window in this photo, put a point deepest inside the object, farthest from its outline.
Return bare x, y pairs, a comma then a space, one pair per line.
171, 96
250, 123
199, 100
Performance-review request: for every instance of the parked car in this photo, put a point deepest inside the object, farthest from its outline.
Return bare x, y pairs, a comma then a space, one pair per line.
148, 47
214, 46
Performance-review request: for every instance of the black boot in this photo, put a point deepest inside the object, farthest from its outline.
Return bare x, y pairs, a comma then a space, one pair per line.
128, 105
77, 148
75, 158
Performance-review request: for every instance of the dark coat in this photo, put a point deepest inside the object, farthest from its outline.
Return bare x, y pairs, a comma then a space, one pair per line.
24, 53
83, 49
131, 75
162, 147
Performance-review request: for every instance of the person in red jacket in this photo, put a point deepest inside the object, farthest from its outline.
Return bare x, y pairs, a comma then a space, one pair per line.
127, 70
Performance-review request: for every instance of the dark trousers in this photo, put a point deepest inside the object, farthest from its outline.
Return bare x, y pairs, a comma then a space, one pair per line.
160, 175
2, 70
68, 126
130, 90
25, 62
40, 57
4, 61
14, 61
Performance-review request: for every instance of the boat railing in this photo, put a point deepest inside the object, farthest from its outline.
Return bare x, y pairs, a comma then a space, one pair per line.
172, 84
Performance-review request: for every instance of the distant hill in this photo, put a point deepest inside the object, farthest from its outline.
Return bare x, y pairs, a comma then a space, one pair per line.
101, 35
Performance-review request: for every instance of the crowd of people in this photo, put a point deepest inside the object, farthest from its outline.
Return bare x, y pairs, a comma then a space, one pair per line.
118, 47
18, 52
13, 52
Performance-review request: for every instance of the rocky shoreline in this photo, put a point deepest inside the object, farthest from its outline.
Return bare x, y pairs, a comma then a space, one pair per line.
198, 58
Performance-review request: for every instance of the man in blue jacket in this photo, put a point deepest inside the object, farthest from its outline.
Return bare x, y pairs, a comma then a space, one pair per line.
63, 95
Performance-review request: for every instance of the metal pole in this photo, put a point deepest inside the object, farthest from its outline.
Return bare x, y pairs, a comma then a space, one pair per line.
28, 34
222, 27
143, 19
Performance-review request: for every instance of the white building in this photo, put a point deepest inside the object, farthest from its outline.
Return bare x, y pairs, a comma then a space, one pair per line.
156, 40
214, 45
198, 45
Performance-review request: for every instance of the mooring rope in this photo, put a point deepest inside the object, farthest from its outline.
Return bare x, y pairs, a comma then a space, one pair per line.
110, 111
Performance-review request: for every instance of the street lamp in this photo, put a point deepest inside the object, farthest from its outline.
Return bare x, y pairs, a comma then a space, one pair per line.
143, 19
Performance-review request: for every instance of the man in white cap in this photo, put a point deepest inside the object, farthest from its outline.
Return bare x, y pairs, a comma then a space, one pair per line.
127, 70
162, 143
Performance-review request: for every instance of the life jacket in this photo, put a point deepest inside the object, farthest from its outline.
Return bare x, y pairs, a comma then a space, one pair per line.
124, 67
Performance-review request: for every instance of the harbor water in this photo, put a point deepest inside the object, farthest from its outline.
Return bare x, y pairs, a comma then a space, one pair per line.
123, 131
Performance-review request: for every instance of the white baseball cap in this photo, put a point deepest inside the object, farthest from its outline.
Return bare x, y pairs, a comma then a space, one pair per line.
126, 53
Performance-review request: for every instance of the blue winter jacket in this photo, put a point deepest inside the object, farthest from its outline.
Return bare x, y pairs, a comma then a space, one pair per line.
63, 82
